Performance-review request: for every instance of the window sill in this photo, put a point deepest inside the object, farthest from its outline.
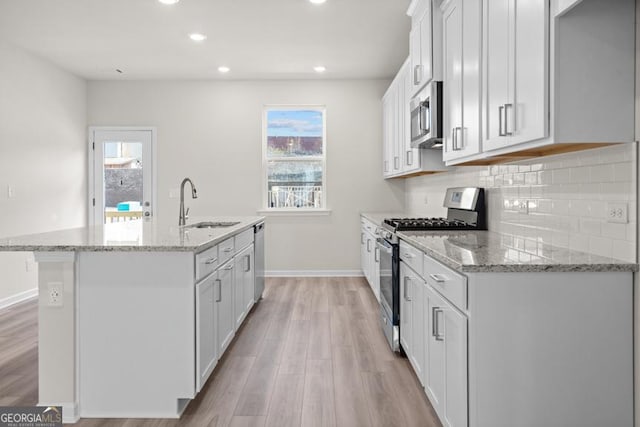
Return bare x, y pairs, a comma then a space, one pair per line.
294, 212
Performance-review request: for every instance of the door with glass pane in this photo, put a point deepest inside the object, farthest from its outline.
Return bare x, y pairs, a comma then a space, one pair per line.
122, 175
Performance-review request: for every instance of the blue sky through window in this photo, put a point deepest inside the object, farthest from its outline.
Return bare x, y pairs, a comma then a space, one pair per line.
294, 123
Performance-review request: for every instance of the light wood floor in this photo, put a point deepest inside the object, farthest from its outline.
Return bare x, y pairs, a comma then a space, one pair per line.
311, 353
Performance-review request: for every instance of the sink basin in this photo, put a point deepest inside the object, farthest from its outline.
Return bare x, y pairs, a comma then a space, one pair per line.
210, 224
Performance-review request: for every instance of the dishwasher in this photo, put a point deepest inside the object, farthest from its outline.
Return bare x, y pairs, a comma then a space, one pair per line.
258, 242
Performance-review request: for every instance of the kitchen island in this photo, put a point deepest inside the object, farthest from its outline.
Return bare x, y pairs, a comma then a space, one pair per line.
134, 316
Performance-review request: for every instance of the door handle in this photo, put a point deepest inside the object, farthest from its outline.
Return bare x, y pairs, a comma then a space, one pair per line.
506, 119
417, 71
227, 250
435, 324
456, 147
406, 288
368, 245
438, 278
248, 268
219, 282
229, 267
362, 238
386, 165
396, 162
500, 112
377, 255
409, 158
211, 261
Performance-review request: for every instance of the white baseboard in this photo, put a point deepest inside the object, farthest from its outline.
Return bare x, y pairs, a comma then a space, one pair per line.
69, 411
15, 299
314, 273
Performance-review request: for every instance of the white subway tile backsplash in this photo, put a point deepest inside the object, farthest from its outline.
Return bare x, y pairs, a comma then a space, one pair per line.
568, 196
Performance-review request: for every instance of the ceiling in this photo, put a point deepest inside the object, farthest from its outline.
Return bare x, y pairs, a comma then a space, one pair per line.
257, 39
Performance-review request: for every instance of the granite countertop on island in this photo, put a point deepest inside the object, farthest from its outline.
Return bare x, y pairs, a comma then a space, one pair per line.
139, 235
490, 252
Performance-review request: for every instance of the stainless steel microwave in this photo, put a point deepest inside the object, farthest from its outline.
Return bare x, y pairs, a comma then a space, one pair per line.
426, 117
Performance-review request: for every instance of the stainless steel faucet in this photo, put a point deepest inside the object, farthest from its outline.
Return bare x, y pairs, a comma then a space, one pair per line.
182, 219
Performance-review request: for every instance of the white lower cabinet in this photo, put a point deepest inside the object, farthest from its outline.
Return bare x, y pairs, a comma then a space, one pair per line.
206, 330
243, 285
370, 256
412, 318
445, 334
224, 301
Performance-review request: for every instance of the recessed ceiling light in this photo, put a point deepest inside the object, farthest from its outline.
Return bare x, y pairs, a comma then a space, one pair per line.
224, 69
197, 37
168, 1
317, 1
319, 69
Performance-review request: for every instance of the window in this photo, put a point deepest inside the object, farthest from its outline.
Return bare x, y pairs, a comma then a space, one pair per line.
294, 158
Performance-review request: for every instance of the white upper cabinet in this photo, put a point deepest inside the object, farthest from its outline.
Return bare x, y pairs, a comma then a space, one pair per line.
461, 63
424, 43
399, 159
516, 67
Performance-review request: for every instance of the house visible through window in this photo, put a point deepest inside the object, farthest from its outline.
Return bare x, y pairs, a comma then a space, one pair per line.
294, 157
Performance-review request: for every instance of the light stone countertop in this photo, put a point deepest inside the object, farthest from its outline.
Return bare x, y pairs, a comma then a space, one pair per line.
378, 217
139, 235
489, 252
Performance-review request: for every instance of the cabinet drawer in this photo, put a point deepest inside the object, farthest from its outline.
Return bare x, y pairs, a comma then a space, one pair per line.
369, 226
244, 239
226, 250
451, 285
206, 262
411, 256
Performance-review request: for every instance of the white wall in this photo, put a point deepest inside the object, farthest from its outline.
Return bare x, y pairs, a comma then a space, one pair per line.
42, 156
211, 132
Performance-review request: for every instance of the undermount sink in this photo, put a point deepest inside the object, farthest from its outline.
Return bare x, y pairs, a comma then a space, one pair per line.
210, 224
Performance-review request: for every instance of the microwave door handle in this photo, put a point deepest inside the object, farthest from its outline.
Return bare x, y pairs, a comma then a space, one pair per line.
425, 117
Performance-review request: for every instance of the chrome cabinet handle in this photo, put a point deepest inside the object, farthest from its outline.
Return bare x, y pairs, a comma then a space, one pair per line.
396, 162
368, 245
248, 268
417, 71
506, 119
438, 278
377, 255
386, 165
456, 147
227, 250
408, 255
409, 158
211, 261
435, 324
407, 279
500, 112
362, 238
229, 267
219, 282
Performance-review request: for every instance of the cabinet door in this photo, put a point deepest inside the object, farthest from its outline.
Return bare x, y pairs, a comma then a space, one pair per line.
249, 275
225, 306
416, 59
395, 126
206, 346
426, 45
471, 75
527, 120
364, 258
388, 108
406, 317
434, 360
454, 332
417, 285
239, 309
497, 78
452, 55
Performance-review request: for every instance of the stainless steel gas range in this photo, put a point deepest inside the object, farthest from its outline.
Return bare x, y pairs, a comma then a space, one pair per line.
465, 211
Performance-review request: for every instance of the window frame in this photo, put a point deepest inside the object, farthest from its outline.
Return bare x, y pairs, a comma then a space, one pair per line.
265, 160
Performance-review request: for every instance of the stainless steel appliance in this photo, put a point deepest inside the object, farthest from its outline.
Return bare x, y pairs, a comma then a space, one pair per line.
426, 117
258, 245
465, 211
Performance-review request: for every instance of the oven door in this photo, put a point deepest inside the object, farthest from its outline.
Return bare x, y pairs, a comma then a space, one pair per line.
386, 277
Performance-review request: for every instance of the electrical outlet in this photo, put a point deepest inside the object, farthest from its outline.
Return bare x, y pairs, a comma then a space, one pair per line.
11, 192
617, 212
55, 294
522, 206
